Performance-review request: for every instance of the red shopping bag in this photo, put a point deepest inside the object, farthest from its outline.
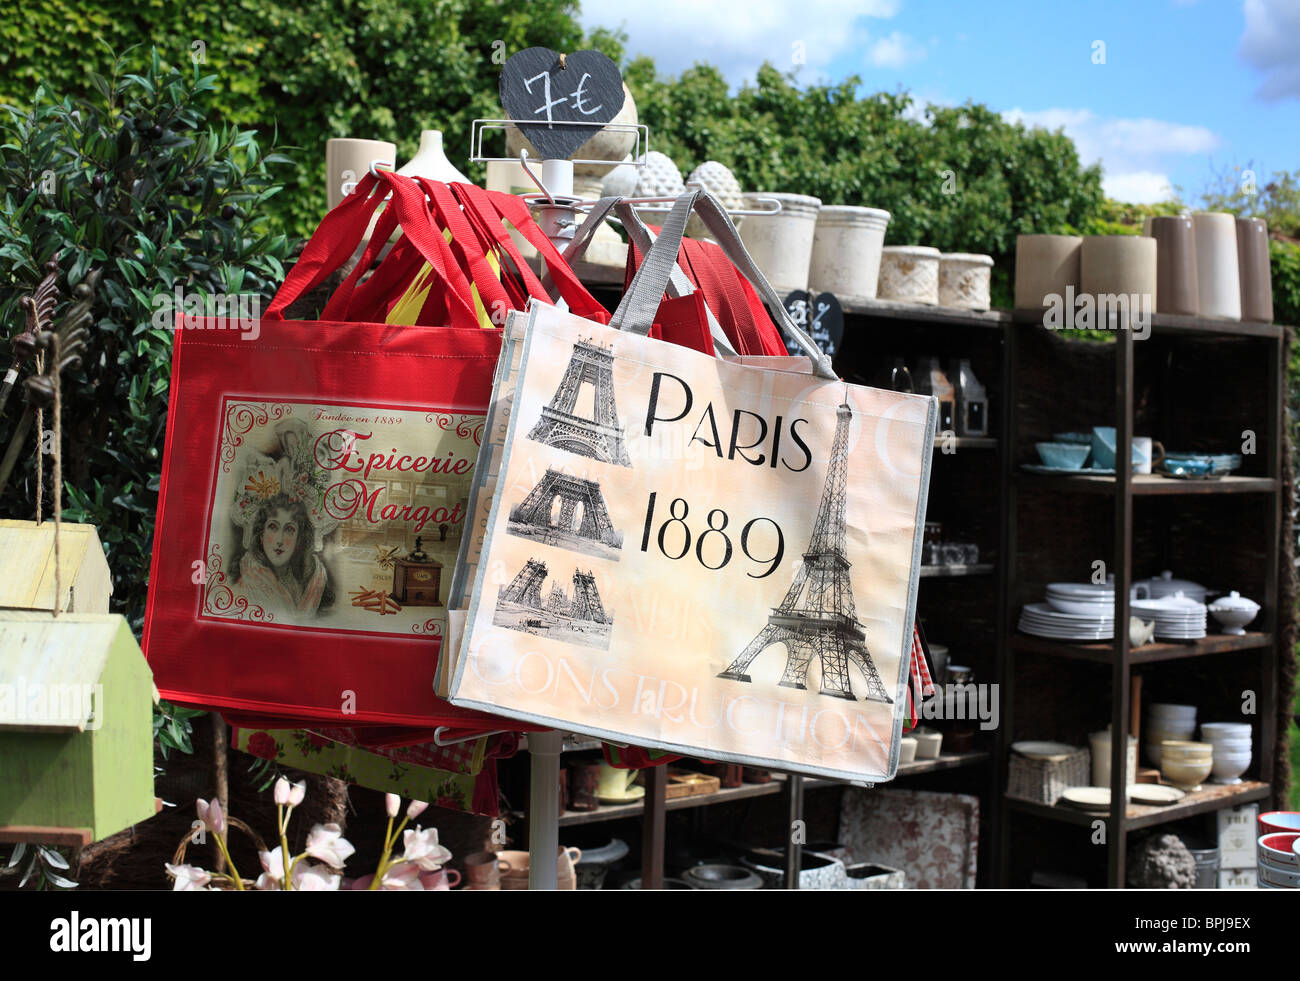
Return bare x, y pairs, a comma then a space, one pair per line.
315, 481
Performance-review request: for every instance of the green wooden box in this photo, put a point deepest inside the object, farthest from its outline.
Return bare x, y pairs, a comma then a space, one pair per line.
76, 727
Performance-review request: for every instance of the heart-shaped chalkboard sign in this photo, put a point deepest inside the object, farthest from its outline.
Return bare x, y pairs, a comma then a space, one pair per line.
819, 316
584, 87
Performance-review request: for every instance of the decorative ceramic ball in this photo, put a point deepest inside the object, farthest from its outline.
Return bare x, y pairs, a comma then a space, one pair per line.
621, 181
659, 177
719, 181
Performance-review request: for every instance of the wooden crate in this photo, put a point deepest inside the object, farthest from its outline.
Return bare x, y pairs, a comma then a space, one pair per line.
688, 783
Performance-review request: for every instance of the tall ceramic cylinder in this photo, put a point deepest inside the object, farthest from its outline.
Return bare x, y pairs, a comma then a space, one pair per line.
1120, 272
347, 161
1217, 278
781, 244
964, 280
1045, 266
1176, 289
1253, 269
846, 251
909, 274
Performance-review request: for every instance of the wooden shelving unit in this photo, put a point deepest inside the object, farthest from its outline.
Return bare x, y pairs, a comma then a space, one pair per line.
1252, 403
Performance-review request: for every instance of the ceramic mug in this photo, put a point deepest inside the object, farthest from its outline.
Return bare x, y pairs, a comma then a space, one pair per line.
614, 782
1147, 452
439, 879
482, 871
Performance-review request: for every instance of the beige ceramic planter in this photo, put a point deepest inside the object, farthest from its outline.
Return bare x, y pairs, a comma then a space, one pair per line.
781, 244
1176, 289
846, 251
964, 280
1218, 280
1045, 266
909, 274
1119, 266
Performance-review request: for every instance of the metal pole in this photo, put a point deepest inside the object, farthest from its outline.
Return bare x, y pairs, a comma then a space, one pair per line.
544, 747
795, 837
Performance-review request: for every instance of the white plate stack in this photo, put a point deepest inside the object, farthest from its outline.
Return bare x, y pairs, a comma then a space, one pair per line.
1177, 617
1165, 721
1042, 620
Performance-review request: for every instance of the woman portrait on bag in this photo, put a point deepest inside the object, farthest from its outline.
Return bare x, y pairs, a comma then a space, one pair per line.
281, 572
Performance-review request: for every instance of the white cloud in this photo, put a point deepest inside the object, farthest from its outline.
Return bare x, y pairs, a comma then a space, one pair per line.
894, 51
1270, 45
1139, 187
739, 35
1133, 152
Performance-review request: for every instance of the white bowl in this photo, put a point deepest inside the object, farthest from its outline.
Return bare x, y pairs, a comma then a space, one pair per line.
1226, 727
1228, 769
906, 749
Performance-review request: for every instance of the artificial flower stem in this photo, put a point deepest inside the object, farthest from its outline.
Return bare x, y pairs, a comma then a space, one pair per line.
234, 872
284, 845
382, 867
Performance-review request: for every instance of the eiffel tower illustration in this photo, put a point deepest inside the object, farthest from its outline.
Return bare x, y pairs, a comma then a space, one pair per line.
535, 509
586, 600
557, 601
526, 587
600, 437
817, 618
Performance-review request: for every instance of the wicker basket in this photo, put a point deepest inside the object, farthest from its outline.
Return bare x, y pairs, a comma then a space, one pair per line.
1043, 781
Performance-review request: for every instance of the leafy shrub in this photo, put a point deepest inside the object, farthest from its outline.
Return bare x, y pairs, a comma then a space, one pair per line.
132, 181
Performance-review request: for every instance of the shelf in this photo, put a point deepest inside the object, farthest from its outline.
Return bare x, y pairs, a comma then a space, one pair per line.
1173, 324
1213, 797
1150, 484
1104, 652
614, 812
922, 312
946, 571
963, 443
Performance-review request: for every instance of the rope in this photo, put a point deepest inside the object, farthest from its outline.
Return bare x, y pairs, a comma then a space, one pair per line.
40, 447
58, 475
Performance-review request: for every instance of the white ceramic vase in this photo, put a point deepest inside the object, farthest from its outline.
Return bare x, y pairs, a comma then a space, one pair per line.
964, 280
1217, 274
1045, 266
846, 251
781, 244
909, 274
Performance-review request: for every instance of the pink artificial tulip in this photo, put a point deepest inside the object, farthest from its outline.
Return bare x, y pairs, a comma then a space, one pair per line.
189, 878
211, 816
297, 793
315, 878
403, 876
282, 791
391, 803
326, 842
415, 809
422, 848
272, 876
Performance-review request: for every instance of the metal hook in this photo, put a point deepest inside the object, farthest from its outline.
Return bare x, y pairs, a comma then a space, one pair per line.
439, 741
523, 160
374, 167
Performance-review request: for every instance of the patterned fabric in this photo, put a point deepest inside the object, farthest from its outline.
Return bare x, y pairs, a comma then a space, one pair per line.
922, 687
934, 838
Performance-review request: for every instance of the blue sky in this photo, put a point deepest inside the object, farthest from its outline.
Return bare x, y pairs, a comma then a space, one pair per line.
1187, 89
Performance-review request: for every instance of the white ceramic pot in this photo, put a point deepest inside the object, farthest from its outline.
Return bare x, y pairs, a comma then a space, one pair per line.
1099, 745
781, 244
1045, 266
964, 280
907, 746
928, 743
1234, 611
1120, 272
1228, 767
846, 251
1217, 274
909, 274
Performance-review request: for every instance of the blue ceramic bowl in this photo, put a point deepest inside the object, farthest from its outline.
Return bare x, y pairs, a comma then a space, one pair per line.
1103, 448
1067, 456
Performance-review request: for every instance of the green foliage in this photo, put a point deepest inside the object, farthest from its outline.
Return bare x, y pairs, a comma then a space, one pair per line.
1121, 218
39, 864
134, 182
960, 178
1276, 200
173, 728
378, 69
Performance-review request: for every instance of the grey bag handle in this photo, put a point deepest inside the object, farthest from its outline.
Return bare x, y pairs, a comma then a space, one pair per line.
637, 309
643, 239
